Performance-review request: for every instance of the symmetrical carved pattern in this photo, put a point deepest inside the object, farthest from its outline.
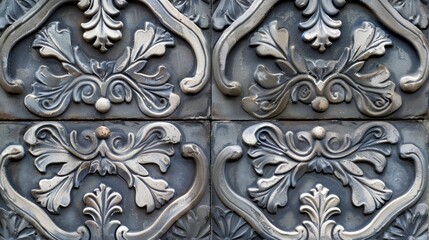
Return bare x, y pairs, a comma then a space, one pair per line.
11, 10
413, 10
413, 224
228, 225
102, 83
282, 158
228, 11
194, 225
194, 10
13, 226
106, 153
158, 97
320, 82
102, 28
101, 206
369, 144
320, 28
374, 95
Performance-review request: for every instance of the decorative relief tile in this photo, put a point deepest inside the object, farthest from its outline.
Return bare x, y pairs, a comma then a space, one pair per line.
116, 181
99, 62
378, 68
323, 180
156, 67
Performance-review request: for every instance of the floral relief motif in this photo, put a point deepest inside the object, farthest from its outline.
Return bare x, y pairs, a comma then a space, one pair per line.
13, 226
228, 225
102, 152
11, 10
194, 10
413, 224
102, 83
321, 152
102, 28
320, 206
414, 11
101, 206
320, 82
320, 28
194, 225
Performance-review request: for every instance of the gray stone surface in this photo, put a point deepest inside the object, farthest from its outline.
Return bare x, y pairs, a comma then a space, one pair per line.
214, 119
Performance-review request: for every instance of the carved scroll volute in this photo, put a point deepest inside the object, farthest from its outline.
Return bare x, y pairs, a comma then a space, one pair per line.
167, 14
382, 10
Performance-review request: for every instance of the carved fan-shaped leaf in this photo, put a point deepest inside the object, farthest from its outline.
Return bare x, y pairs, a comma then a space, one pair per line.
369, 41
372, 194
54, 193
101, 206
271, 41
228, 225
151, 193
54, 43
149, 42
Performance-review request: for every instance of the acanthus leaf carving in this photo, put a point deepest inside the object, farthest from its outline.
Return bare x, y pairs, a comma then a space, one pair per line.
13, 226
370, 143
228, 11
414, 11
412, 224
102, 83
152, 144
228, 225
194, 225
320, 206
194, 10
102, 28
386, 15
320, 83
320, 28
101, 206
11, 10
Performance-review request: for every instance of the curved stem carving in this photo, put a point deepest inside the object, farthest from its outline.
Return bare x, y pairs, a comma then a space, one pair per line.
394, 21
169, 16
248, 21
246, 209
397, 206
263, 226
31, 212
186, 29
21, 28
181, 205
